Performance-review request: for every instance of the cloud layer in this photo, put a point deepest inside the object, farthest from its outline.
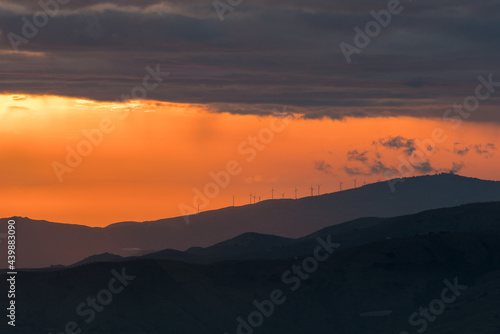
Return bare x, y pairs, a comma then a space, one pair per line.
410, 155
265, 53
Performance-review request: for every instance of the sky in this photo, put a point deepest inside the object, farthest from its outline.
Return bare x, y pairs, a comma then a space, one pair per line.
140, 110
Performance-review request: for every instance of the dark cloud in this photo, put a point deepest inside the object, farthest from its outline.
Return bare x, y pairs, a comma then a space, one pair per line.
457, 167
372, 164
415, 83
322, 166
399, 142
379, 168
482, 149
355, 171
485, 149
265, 53
371, 168
323, 114
357, 156
460, 149
424, 168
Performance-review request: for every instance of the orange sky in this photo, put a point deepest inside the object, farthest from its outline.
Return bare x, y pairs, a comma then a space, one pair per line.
151, 160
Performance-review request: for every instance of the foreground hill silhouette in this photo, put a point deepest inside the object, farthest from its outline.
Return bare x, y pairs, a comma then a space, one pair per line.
254, 246
44, 243
251, 246
369, 288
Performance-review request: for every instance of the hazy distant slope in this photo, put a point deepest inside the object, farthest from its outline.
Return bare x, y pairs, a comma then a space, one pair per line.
43, 244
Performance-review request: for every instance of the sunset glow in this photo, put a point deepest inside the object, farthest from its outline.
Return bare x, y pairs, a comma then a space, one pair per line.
156, 153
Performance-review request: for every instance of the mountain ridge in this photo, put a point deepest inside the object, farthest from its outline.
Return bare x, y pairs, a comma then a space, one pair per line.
356, 233
44, 244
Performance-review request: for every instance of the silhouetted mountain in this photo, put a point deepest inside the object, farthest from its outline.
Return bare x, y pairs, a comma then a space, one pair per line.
374, 288
477, 217
44, 243
253, 246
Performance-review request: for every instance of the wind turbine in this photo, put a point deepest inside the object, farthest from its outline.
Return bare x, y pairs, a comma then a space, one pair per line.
272, 193
312, 189
254, 199
233, 201
355, 180
250, 198
259, 198
295, 192
340, 184
283, 196
319, 185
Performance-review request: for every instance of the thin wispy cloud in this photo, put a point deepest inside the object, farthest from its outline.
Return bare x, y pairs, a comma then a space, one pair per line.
323, 166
